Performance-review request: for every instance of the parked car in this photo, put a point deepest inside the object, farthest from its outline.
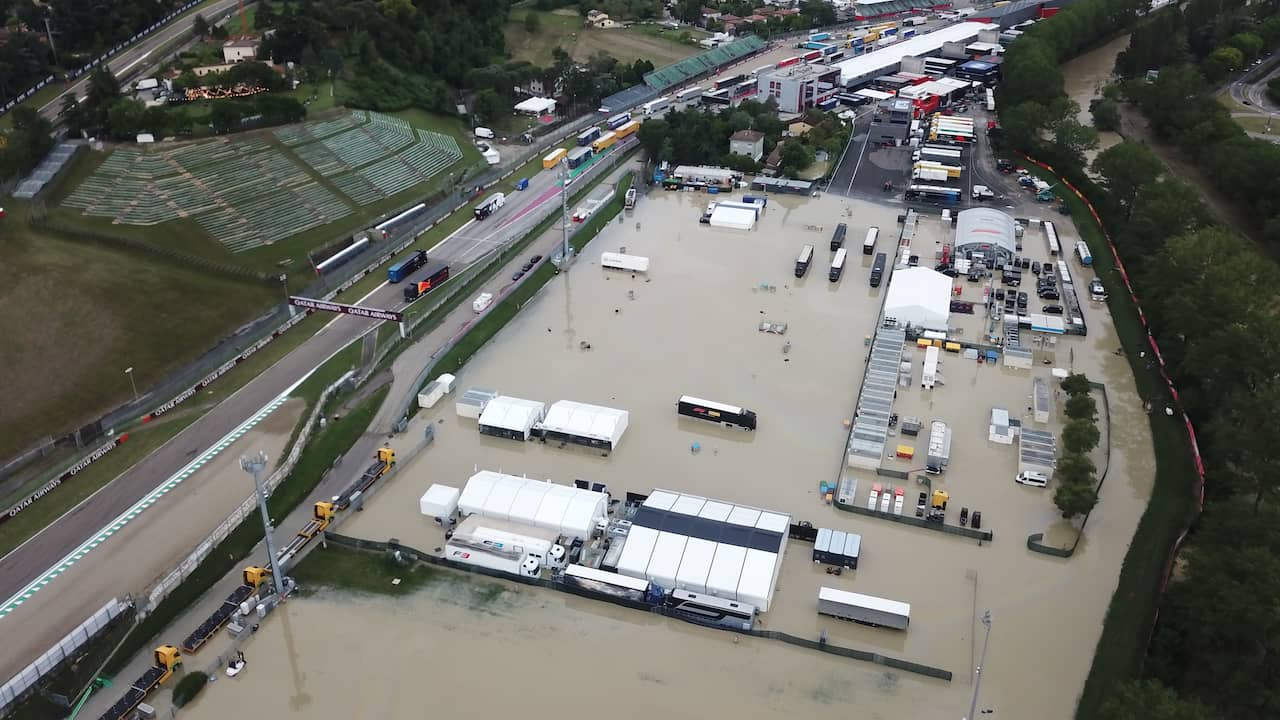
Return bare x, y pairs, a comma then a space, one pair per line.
1035, 267
1022, 301
1051, 309
1049, 294
1026, 263
527, 266
535, 259
519, 274
921, 504
1000, 294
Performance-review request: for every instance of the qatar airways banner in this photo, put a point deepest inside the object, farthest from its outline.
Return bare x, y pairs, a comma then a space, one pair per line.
69, 473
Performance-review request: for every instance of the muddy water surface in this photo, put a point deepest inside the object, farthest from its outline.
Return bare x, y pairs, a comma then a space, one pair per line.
690, 326
1084, 77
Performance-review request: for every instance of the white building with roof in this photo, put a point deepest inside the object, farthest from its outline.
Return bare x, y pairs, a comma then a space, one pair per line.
584, 424
707, 546
510, 417
572, 512
860, 69
989, 232
536, 106
919, 297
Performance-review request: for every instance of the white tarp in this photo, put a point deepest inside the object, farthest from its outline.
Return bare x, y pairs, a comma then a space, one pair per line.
537, 503
732, 217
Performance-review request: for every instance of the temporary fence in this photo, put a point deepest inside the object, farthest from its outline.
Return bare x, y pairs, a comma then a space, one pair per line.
22, 684
246, 509
411, 554
968, 532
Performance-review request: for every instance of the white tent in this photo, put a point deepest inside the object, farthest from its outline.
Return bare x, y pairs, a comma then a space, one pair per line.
920, 297
536, 503
736, 218
439, 501
585, 424
510, 417
536, 106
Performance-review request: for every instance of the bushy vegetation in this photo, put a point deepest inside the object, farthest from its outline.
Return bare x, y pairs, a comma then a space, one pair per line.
701, 137
1076, 493
1208, 295
188, 687
813, 13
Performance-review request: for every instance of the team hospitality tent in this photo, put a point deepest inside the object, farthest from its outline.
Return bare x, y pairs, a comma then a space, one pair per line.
510, 417
706, 546
585, 424
536, 106
920, 297
572, 512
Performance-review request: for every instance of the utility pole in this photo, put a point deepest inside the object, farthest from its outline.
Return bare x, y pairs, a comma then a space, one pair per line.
564, 209
49, 34
254, 465
982, 660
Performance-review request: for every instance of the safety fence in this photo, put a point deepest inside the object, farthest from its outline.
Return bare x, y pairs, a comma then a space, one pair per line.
968, 532
1034, 540
73, 74
407, 553
67, 650
184, 569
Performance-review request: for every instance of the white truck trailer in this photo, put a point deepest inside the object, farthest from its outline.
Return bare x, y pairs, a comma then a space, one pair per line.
864, 609
939, 448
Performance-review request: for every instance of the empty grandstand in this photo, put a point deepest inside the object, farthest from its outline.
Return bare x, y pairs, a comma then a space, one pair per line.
248, 193
681, 72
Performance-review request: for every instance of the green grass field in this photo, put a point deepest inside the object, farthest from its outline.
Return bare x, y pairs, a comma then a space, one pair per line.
565, 29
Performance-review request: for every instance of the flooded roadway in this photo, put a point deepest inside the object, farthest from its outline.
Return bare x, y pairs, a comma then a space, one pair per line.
690, 326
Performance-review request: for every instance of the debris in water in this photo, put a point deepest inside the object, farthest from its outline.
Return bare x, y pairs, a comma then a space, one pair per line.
396, 581
695, 447
786, 348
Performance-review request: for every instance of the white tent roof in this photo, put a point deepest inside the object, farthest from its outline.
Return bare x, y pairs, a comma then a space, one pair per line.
588, 421
512, 413
439, 501
535, 503
984, 226
919, 296
535, 105
733, 217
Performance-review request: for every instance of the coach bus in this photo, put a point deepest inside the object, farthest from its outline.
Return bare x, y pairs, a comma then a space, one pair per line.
715, 412
607, 583
711, 610
933, 193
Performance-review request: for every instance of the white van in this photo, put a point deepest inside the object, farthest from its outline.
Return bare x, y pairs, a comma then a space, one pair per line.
1032, 478
484, 132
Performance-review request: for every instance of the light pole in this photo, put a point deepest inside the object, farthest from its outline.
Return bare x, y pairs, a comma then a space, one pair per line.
129, 371
564, 209
254, 465
982, 660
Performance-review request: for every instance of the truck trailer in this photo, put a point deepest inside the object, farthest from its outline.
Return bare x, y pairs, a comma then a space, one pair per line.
436, 275
404, 268
864, 609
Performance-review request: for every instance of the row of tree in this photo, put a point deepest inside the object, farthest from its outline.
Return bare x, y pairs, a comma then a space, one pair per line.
81, 31
701, 137
1208, 295
1076, 492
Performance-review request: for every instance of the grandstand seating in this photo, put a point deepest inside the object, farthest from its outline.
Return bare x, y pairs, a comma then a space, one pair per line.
247, 193
689, 68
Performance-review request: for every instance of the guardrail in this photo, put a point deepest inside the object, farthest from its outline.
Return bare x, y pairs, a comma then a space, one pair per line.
170, 582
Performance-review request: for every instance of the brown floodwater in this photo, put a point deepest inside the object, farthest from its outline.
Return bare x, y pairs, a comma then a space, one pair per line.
1084, 77
690, 326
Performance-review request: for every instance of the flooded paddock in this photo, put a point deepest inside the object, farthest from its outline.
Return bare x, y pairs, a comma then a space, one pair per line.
690, 326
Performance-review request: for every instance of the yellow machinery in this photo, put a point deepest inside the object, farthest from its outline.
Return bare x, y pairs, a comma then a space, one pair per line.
254, 577
940, 498
167, 659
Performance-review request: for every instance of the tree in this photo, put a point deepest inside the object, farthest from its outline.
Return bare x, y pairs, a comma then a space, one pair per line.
1161, 210
532, 22
1075, 468
1071, 140
1081, 406
1221, 62
1125, 167
199, 26
72, 113
1080, 436
1074, 498
1248, 44
796, 156
124, 118
487, 105
1076, 384
1106, 114
1150, 700
689, 11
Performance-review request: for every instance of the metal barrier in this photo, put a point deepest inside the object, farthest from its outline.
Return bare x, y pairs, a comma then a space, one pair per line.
245, 510
22, 684
373, 546
979, 535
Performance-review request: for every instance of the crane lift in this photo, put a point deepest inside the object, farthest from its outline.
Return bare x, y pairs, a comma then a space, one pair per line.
254, 578
167, 659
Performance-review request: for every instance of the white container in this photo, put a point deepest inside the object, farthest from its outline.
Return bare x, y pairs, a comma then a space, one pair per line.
430, 395
439, 502
481, 303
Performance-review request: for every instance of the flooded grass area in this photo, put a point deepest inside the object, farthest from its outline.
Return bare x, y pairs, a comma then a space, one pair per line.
691, 326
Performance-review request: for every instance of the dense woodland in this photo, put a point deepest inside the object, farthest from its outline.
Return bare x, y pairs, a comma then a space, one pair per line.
1210, 296
81, 32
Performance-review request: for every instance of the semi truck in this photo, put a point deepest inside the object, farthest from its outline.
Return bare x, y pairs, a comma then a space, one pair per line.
604, 142
802, 262
837, 265
490, 205
436, 275
627, 129
939, 447
869, 242
579, 157
877, 269
864, 609
167, 659
402, 269
253, 578
618, 121
553, 158
837, 237
588, 136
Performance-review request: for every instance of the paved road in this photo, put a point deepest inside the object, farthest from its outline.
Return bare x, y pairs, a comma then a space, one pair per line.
30, 560
130, 61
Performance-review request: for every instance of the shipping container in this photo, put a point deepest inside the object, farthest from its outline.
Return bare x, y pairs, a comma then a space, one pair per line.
402, 269
434, 278
553, 158
864, 609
